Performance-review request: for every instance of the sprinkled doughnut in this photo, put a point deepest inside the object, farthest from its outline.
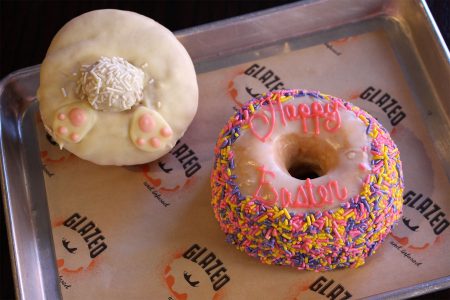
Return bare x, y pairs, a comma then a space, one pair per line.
306, 180
117, 88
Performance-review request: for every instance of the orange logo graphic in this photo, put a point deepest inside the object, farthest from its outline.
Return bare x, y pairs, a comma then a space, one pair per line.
422, 223
174, 172
254, 81
78, 242
196, 274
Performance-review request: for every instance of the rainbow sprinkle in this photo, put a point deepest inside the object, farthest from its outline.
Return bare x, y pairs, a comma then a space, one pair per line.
320, 240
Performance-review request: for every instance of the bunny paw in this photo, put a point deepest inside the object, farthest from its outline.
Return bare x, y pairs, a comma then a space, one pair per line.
72, 122
149, 131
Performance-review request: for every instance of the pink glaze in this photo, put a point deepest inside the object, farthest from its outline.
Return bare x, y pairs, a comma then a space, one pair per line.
146, 123
61, 116
74, 137
166, 132
77, 116
62, 130
155, 142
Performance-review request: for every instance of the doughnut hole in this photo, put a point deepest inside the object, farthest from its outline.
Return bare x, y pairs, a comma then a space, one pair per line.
305, 157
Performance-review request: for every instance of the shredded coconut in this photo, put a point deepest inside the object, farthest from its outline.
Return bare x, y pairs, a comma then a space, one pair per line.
111, 84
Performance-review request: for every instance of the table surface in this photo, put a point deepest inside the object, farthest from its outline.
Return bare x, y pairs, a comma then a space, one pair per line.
27, 27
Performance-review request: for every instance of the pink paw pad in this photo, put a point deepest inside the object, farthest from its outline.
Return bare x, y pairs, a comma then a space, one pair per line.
73, 122
149, 131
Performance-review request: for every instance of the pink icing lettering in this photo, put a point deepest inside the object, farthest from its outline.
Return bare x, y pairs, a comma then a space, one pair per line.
285, 197
309, 192
305, 196
300, 194
290, 112
77, 116
270, 123
280, 109
262, 181
316, 114
326, 116
304, 113
333, 184
323, 194
332, 115
146, 123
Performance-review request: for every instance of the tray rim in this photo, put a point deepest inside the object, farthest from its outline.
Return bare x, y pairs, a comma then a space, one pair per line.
415, 290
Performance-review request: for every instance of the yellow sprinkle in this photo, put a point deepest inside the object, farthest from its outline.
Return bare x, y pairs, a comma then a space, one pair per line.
284, 99
263, 218
313, 219
286, 213
286, 236
278, 214
229, 172
308, 220
352, 214
236, 134
380, 179
252, 109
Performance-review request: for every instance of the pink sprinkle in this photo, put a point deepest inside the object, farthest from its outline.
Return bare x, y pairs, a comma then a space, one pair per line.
155, 142
354, 233
378, 219
362, 166
337, 233
61, 116
362, 207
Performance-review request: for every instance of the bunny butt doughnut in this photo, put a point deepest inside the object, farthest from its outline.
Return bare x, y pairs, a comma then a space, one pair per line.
306, 180
117, 88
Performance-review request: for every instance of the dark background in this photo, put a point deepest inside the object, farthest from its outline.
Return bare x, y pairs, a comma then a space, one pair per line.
27, 27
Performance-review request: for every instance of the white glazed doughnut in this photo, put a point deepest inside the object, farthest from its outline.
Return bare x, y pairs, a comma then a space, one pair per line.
306, 180
117, 88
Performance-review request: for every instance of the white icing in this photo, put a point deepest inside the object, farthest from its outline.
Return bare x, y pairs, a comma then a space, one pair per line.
339, 154
111, 84
139, 40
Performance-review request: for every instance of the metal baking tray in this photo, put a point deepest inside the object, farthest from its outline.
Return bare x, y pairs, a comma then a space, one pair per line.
412, 33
